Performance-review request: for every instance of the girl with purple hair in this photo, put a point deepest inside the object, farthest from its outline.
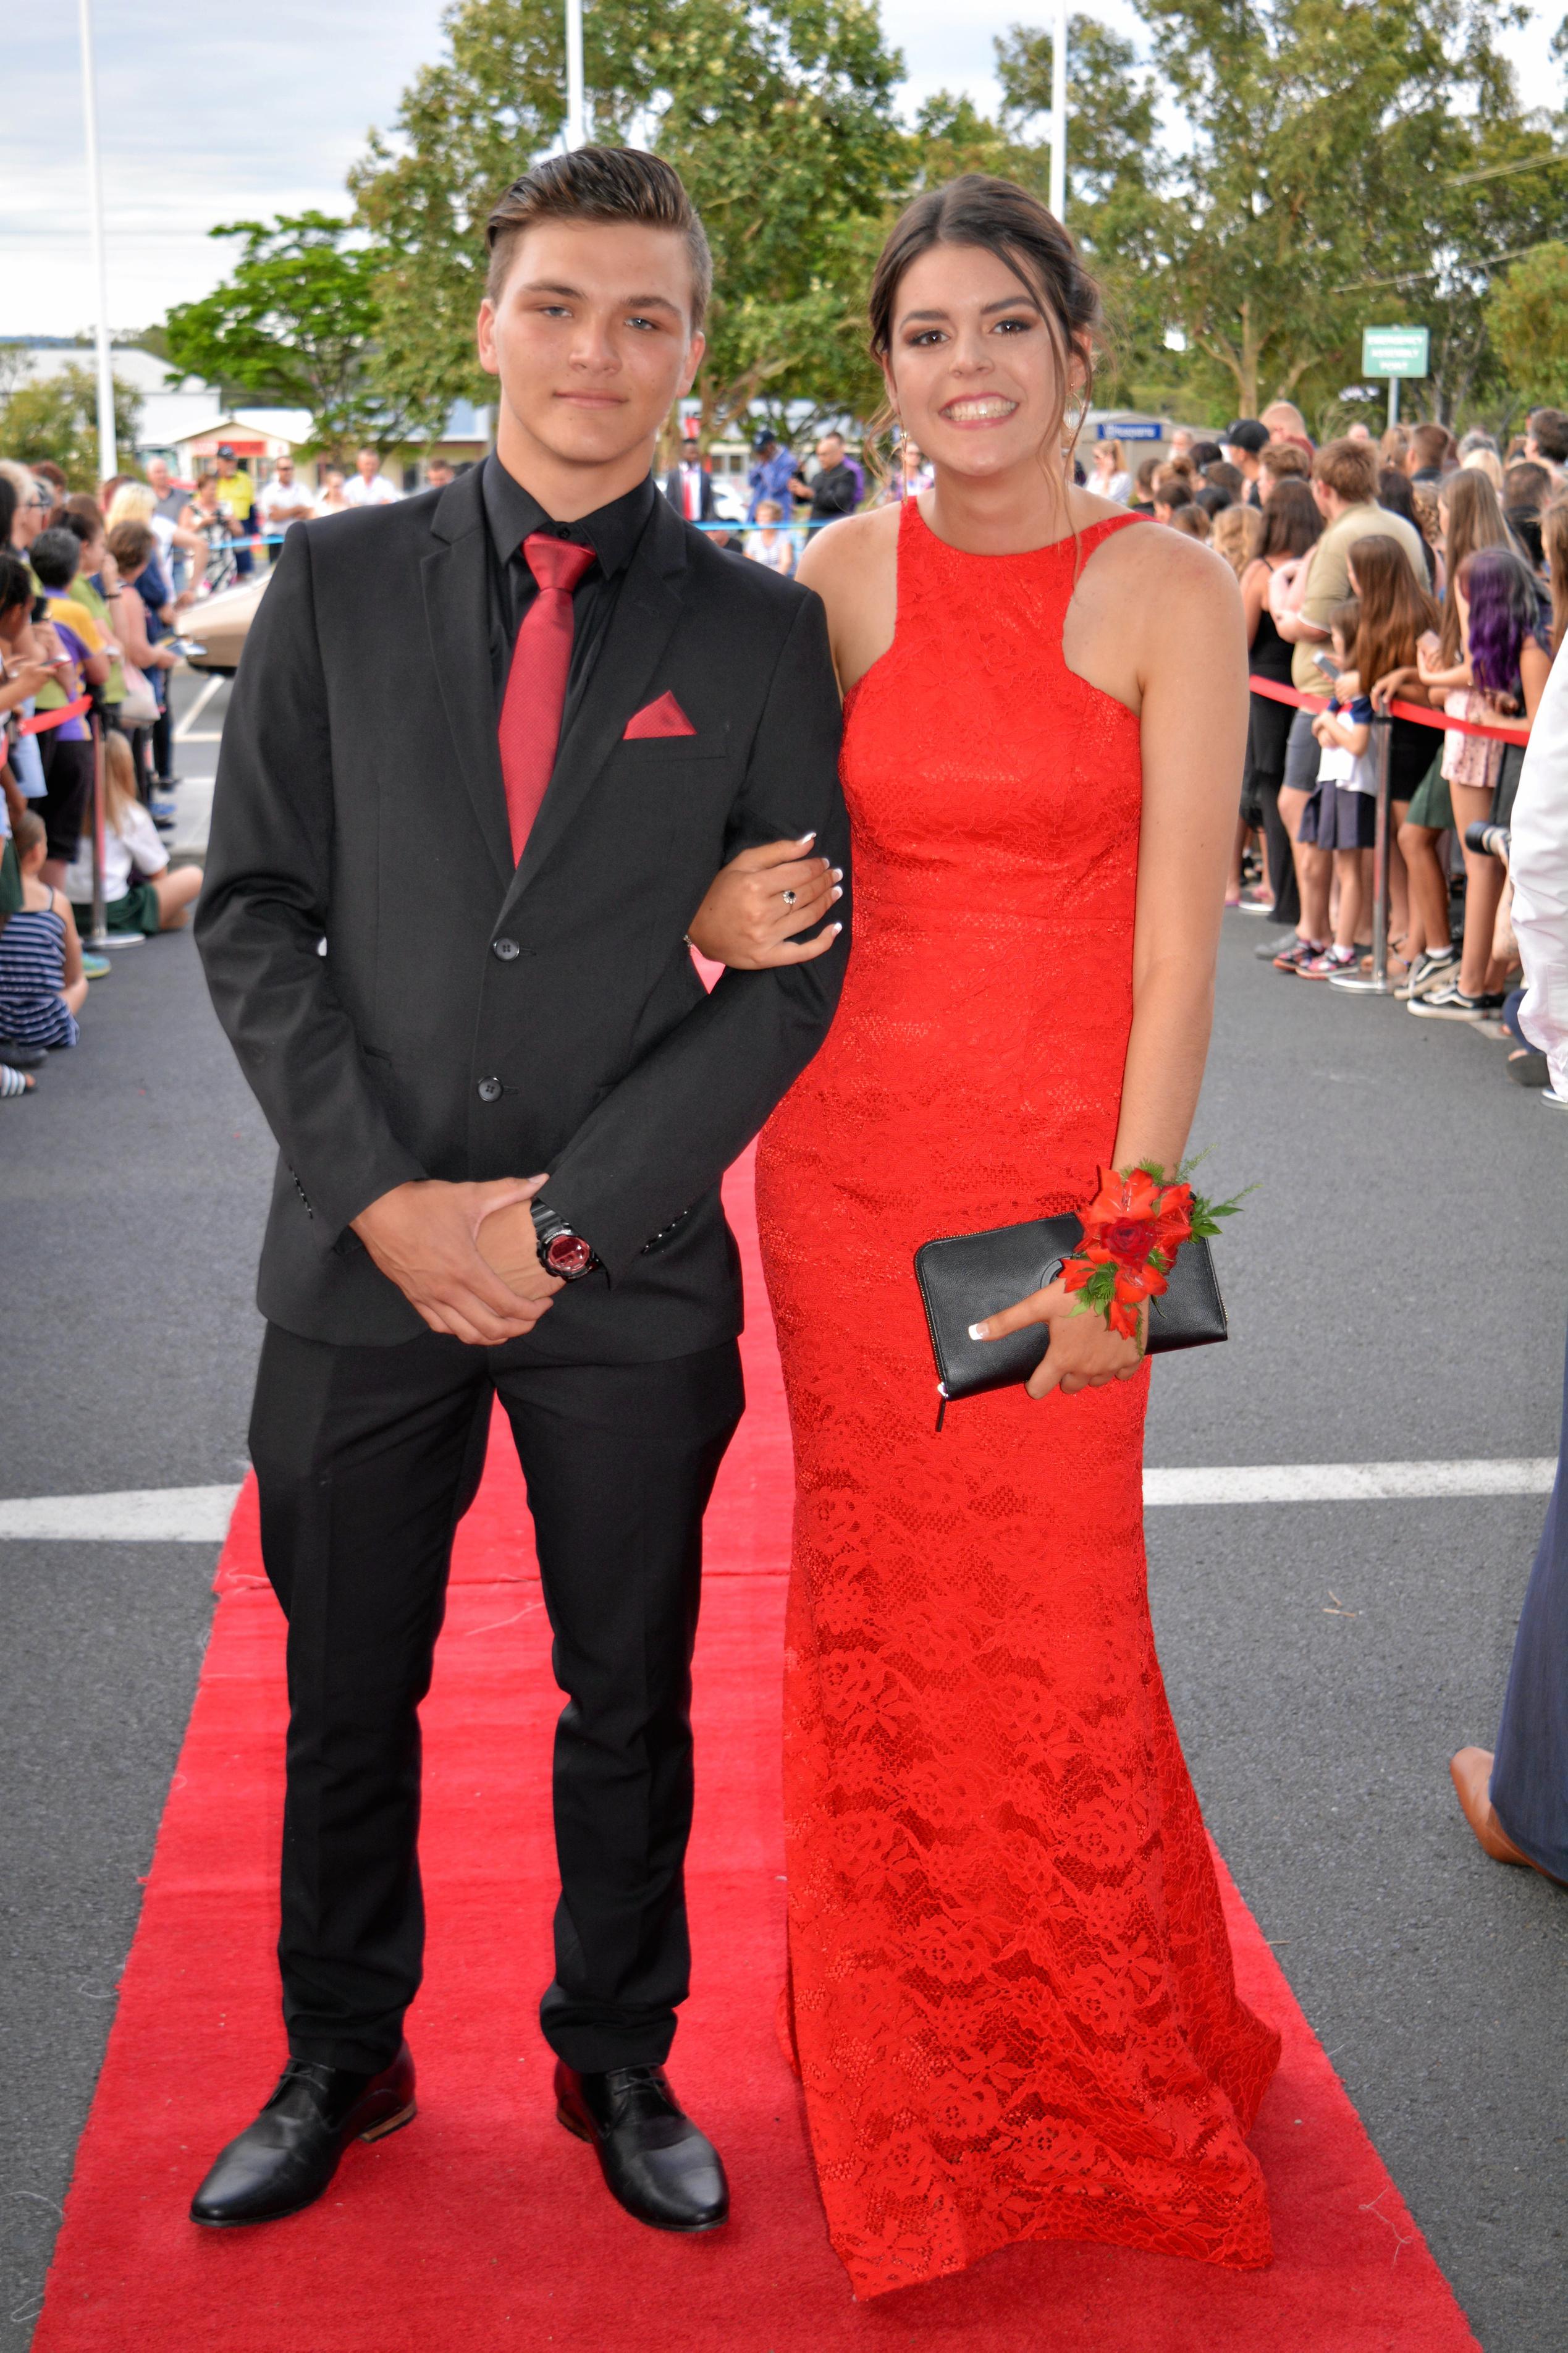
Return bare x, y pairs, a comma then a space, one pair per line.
1502, 671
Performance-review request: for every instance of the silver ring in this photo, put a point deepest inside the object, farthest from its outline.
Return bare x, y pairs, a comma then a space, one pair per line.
789, 898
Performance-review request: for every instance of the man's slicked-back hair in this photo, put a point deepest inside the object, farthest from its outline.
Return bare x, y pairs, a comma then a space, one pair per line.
600, 183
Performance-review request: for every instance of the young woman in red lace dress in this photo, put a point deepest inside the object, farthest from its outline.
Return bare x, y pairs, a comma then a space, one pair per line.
1010, 1994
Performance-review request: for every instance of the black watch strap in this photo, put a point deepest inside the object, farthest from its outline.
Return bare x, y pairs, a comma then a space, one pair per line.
563, 1252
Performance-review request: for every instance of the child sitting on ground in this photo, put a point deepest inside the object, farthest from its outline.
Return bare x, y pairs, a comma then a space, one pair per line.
1342, 815
139, 893
42, 985
768, 545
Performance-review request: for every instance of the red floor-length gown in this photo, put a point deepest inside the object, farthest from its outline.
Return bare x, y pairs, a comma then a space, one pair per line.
1010, 1985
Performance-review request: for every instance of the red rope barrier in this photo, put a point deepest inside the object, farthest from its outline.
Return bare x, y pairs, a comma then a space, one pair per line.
1274, 692
41, 720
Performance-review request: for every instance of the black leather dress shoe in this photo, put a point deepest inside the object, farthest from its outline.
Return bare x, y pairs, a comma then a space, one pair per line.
654, 2160
286, 2158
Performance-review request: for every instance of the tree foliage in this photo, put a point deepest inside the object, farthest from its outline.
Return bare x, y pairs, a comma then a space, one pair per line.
1252, 181
1117, 176
1528, 315
56, 417
297, 324
778, 116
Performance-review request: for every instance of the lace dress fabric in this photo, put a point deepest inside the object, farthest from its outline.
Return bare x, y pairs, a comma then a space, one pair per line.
1011, 2000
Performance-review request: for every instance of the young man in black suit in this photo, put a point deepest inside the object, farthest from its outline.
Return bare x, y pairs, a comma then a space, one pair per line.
486, 751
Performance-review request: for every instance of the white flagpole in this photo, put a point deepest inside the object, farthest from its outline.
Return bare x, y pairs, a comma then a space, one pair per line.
1058, 112
576, 106
108, 456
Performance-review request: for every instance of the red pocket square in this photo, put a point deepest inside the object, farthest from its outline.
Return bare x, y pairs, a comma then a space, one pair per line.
664, 717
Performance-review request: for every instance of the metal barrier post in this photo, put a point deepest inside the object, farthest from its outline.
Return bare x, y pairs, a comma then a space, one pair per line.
98, 935
1375, 982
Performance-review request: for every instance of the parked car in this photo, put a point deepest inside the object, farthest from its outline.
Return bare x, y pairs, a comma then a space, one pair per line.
217, 625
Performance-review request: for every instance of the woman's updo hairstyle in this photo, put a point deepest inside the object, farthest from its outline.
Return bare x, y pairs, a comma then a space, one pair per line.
1007, 221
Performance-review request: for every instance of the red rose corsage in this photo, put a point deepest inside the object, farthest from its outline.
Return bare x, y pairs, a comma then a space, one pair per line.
1132, 1231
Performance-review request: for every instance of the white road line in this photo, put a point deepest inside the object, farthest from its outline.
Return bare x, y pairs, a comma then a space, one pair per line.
183, 732
1347, 1483
136, 1515
200, 1514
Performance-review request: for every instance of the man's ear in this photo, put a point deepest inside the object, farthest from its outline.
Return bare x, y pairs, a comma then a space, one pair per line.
485, 337
695, 351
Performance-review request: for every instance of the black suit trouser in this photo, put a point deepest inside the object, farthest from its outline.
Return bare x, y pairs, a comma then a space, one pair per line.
366, 1459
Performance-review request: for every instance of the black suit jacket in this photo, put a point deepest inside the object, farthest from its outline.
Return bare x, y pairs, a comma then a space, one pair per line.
468, 1020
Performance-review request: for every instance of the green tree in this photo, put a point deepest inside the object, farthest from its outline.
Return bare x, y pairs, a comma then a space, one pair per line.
297, 324
56, 417
1117, 173
778, 116
1319, 137
1528, 315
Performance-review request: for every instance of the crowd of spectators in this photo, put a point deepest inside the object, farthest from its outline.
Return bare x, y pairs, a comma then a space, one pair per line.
93, 592
1379, 578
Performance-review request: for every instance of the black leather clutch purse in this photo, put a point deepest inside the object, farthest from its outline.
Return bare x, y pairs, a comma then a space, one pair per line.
964, 1278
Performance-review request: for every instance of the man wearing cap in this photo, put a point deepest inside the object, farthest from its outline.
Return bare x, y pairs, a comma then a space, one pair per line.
1243, 441
771, 475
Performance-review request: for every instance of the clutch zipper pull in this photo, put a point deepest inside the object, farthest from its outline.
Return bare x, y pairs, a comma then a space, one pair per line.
941, 1409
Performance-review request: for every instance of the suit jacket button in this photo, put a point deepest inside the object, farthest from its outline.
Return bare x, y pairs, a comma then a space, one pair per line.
506, 950
489, 1090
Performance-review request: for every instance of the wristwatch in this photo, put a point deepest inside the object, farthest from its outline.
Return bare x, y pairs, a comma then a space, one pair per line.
560, 1251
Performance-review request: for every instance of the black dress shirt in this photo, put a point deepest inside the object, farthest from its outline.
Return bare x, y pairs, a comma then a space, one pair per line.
511, 514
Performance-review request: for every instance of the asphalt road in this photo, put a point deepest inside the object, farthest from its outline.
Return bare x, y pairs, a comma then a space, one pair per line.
1398, 1291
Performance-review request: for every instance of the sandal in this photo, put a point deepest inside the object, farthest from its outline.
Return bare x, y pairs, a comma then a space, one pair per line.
1394, 957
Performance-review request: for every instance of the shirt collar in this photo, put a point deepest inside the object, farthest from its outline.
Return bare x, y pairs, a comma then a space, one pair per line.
612, 531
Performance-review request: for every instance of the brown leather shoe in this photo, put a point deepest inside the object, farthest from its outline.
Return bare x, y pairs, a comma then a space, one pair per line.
1471, 1773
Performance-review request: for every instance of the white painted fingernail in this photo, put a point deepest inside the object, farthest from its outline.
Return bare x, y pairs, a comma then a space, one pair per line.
977, 1331
838, 927
837, 894
804, 840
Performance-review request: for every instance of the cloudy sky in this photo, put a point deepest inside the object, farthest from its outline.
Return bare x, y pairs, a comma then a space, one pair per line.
261, 111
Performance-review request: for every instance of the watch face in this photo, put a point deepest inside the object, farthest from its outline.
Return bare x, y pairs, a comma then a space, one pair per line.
568, 1254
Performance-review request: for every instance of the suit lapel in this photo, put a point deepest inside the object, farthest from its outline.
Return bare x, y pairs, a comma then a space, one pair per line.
646, 611
455, 579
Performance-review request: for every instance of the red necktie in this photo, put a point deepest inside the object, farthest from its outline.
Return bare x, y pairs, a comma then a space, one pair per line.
536, 684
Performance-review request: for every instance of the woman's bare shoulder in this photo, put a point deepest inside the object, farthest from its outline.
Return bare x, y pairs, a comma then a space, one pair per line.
1163, 577
846, 552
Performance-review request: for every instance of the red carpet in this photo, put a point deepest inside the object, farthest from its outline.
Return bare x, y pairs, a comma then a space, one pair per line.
484, 2225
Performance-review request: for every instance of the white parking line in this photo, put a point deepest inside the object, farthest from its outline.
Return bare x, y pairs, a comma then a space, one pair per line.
200, 1514
134, 1515
183, 732
1348, 1483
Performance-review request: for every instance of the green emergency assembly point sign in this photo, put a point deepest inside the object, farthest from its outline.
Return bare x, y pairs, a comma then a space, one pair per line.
1394, 351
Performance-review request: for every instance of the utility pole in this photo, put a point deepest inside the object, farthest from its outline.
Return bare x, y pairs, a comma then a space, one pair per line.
108, 456
576, 103
1059, 112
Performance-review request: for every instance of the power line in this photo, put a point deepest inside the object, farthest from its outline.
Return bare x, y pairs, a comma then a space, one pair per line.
1500, 171
1419, 277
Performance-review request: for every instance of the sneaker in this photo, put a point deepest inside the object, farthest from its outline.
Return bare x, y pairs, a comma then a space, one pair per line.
94, 967
1324, 966
1299, 952
160, 809
1451, 1004
1255, 906
1431, 969
1267, 950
